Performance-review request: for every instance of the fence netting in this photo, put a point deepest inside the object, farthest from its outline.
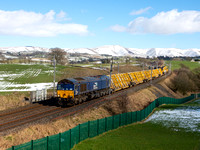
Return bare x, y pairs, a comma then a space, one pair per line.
67, 139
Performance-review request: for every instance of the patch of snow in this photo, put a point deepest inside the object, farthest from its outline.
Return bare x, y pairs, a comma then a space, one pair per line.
97, 68
181, 118
49, 72
40, 60
24, 87
86, 65
8, 56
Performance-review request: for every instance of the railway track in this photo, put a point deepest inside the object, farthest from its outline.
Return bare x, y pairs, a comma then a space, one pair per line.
19, 118
38, 112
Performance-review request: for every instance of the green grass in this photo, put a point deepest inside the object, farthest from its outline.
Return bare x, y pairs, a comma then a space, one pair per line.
191, 65
142, 136
28, 73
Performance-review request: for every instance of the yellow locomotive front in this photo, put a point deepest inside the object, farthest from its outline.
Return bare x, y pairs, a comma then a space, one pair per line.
65, 91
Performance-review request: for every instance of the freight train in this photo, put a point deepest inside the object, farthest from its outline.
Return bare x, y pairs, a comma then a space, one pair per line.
78, 90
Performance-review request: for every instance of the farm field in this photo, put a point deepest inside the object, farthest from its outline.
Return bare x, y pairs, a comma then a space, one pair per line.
25, 77
19, 77
170, 127
191, 65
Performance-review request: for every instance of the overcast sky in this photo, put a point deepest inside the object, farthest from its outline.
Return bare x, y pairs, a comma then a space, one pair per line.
93, 23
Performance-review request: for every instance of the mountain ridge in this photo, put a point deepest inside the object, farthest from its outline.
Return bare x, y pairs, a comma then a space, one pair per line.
114, 50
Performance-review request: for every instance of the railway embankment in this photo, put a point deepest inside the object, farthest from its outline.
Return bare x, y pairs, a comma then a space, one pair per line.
132, 100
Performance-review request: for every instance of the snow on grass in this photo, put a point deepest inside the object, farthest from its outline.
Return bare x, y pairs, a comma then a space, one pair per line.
49, 72
187, 118
12, 79
9, 87
98, 68
86, 65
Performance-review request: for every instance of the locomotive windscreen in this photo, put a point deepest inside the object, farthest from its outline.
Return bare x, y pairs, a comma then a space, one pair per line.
68, 87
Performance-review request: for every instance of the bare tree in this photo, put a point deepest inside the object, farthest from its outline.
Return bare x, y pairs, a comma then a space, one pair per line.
60, 55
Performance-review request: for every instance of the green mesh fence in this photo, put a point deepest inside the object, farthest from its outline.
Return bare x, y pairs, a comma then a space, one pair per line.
116, 122
134, 117
25, 146
102, 126
93, 128
109, 123
138, 115
84, 131
67, 139
75, 136
129, 118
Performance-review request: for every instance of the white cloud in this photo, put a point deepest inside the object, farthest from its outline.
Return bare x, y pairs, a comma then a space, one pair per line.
37, 24
99, 19
170, 22
141, 11
118, 28
62, 16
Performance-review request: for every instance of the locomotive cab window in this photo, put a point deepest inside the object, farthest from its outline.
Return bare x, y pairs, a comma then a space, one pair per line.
69, 87
60, 87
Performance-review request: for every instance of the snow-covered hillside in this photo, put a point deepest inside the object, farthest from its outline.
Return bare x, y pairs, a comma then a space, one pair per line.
23, 49
114, 50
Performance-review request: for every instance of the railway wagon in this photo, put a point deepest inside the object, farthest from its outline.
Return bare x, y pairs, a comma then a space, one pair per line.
78, 90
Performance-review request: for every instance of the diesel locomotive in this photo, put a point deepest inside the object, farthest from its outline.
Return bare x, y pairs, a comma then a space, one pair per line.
78, 90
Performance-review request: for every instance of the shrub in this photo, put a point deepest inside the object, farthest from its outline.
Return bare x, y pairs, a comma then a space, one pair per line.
185, 80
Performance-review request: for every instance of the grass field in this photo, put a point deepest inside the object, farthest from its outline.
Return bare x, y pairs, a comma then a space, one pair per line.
25, 77
22, 73
191, 65
155, 134
19, 76
147, 136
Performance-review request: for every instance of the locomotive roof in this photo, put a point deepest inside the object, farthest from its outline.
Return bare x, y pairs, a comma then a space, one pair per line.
83, 79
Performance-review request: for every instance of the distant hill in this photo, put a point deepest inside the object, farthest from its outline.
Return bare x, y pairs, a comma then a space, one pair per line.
114, 50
